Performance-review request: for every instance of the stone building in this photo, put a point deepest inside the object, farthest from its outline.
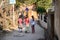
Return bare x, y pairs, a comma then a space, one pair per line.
57, 17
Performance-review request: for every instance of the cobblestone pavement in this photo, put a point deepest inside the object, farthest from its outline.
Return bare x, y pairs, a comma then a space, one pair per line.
16, 35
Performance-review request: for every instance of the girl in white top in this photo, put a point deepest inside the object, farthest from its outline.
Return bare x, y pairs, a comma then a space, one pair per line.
32, 22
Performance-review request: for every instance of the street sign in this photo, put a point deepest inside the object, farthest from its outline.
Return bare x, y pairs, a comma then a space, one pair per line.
12, 1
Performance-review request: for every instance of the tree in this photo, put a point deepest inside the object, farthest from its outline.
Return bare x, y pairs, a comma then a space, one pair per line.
30, 1
19, 2
39, 3
41, 10
43, 4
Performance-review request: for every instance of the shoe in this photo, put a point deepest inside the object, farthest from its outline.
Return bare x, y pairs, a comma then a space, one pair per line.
25, 31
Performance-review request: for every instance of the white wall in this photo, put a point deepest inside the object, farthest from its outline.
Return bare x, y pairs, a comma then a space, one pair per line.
44, 24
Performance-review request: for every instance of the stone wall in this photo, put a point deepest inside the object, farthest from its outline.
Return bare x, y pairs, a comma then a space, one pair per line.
57, 17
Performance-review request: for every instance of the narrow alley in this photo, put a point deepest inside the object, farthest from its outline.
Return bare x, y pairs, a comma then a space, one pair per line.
16, 35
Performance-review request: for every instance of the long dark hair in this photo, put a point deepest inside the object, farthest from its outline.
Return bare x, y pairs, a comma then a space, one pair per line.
33, 18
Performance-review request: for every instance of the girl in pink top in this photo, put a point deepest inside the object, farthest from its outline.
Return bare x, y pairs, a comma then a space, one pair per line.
26, 20
20, 23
